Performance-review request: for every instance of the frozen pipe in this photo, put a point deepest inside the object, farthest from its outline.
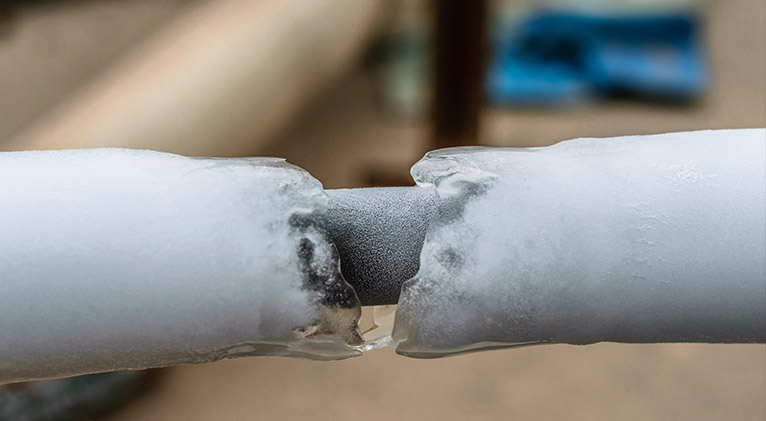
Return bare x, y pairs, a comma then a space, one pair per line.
636, 239
127, 259
117, 259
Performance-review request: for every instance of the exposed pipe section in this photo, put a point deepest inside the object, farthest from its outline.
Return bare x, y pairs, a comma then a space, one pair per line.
379, 233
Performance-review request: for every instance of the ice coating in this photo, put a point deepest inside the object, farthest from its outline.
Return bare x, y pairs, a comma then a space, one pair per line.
634, 239
115, 258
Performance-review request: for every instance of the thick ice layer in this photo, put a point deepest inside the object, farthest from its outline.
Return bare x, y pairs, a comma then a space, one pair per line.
635, 239
131, 259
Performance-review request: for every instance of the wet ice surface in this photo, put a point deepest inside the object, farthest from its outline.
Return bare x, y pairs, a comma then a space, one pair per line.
633, 239
377, 332
130, 259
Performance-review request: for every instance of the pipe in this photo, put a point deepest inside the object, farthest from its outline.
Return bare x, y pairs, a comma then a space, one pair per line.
638, 239
379, 233
114, 259
117, 259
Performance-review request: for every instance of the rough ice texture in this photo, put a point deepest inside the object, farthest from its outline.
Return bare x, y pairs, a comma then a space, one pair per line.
633, 239
114, 259
379, 233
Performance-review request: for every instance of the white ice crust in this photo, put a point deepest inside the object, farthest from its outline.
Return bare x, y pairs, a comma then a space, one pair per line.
631, 239
116, 258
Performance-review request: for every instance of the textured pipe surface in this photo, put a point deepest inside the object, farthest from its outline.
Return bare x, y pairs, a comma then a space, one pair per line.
379, 233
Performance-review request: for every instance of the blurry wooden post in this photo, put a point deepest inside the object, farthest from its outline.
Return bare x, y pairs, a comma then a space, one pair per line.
460, 41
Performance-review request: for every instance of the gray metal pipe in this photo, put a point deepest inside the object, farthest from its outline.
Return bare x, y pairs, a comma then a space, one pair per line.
379, 233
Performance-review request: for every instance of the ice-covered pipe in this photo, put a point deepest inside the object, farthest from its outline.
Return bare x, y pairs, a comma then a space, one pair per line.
116, 259
634, 239
113, 259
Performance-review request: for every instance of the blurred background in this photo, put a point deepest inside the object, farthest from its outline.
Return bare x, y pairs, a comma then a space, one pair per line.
355, 91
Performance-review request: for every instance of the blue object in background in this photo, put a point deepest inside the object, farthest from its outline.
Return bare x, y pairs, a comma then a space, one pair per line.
556, 58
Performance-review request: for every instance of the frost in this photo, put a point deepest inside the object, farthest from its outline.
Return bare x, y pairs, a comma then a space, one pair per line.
114, 259
635, 239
